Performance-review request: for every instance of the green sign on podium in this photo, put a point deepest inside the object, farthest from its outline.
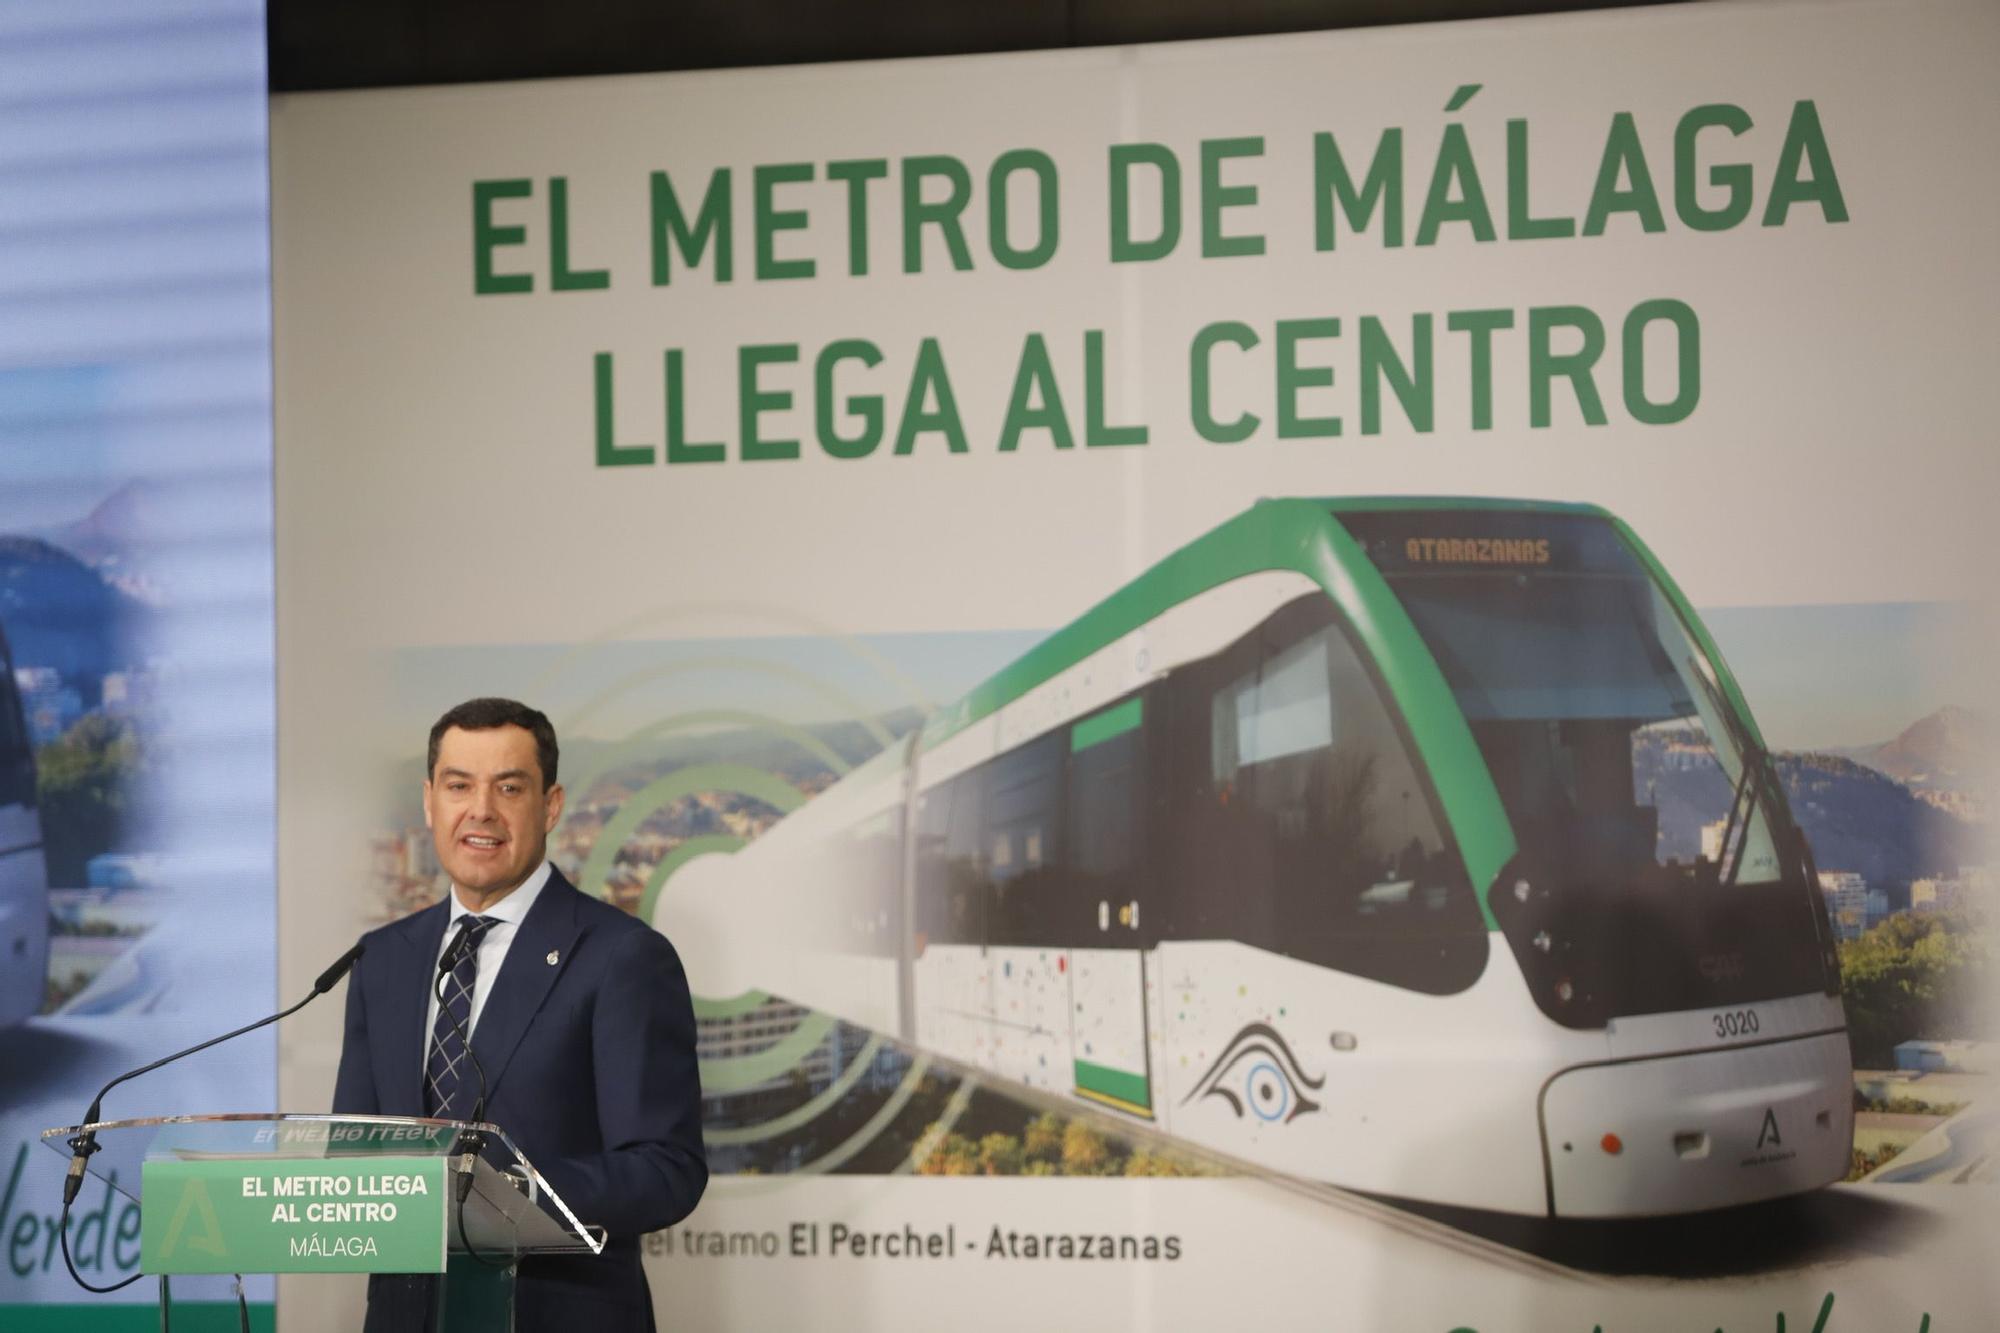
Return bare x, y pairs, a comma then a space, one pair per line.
369, 1215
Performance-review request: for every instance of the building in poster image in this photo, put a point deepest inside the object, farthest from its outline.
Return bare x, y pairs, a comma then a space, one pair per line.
1374, 842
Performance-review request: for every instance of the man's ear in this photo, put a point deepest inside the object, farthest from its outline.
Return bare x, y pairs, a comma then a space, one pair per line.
427, 803
555, 803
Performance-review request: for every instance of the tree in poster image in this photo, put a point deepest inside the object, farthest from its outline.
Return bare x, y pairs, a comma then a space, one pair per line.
1050, 1145
1915, 977
83, 781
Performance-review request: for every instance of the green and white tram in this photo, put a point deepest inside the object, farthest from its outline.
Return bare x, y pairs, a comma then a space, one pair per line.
24, 888
1334, 842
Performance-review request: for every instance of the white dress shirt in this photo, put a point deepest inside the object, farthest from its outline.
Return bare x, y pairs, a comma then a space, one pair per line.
506, 915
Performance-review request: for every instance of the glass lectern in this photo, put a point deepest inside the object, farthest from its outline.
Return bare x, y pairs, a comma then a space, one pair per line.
337, 1194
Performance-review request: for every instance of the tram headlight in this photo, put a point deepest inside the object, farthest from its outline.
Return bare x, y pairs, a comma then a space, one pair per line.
1564, 991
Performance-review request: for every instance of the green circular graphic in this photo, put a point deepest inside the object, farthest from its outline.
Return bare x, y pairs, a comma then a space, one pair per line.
735, 1074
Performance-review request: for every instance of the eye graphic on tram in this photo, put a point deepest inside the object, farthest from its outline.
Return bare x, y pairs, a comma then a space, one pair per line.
1258, 1075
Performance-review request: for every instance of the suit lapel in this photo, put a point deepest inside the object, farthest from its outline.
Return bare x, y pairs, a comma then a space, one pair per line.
526, 977
405, 1040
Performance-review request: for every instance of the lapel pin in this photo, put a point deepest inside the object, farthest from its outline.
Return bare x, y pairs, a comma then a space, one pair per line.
553, 956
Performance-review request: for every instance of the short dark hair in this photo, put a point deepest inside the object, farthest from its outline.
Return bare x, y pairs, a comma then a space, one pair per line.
486, 714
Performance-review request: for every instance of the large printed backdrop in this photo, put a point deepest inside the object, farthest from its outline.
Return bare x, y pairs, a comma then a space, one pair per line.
739, 419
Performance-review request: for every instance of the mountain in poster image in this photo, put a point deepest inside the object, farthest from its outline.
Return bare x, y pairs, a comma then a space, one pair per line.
59, 612
114, 535
1948, 751
1863, 820
1857, 817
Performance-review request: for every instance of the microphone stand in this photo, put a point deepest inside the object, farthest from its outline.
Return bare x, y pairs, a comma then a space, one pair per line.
84, 1143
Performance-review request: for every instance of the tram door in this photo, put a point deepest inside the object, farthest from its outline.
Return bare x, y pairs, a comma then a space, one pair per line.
1112, 1063
1111, 1056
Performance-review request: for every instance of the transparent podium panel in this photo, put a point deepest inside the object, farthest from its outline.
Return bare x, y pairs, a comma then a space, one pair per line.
337, 1194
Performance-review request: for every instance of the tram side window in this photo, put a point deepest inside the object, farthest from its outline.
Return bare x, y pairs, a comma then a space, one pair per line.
1024, 809
17, 764
17, 768
933, 824
867, 880
1280, 709
1105, 784
951, 863
939, 910
1338, 857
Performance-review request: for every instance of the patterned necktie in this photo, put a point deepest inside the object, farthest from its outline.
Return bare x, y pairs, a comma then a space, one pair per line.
447, 1096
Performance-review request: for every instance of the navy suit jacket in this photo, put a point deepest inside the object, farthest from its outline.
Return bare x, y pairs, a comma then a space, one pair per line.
590, 1068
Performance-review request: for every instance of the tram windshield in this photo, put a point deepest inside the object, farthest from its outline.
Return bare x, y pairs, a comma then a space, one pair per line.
1599, 718
1624, 769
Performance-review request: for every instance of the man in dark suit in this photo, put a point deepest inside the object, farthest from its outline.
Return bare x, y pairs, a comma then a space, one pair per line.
578, 1013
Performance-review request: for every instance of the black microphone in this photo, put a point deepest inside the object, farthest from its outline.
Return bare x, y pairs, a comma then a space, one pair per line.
341, 966
84, 1143
456, 949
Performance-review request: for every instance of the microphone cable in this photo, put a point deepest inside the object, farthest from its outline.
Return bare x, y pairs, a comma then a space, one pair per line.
84, 1142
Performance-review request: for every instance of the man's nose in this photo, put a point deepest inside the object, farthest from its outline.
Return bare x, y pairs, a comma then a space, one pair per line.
482, 803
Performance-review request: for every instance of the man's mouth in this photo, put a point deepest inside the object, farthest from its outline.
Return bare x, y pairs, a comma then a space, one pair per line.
481, 841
